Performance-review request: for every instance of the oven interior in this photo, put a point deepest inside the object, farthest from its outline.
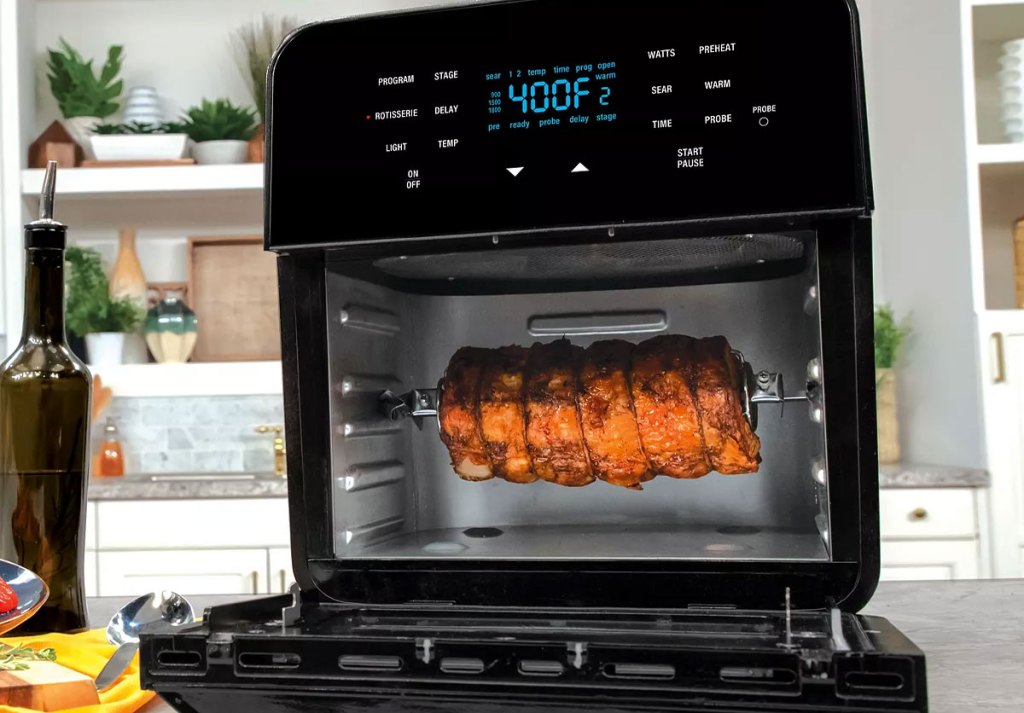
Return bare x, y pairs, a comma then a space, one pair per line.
395, 321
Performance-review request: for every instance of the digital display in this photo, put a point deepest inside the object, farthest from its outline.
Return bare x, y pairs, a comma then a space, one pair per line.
560, 94
538, 115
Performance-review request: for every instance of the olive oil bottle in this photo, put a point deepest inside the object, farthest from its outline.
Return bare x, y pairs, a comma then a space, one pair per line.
44, 432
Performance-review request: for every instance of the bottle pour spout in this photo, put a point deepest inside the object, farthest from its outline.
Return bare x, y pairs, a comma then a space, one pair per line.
47, 232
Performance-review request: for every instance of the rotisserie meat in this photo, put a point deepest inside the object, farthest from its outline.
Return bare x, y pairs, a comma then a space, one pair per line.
671, 406
606, 413
664, 370
502, 414
729, 441
553, 433
459, 417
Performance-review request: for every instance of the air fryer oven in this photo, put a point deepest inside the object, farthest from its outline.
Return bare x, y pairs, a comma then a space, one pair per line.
527, 172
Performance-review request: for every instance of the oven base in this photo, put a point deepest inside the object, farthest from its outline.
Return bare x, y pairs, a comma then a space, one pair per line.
267, 656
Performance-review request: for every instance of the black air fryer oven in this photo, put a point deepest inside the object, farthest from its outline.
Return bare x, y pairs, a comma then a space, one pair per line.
608, 186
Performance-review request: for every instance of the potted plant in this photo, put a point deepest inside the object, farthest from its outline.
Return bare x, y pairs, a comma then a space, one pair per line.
92, 314
84, 98
221, 131
136, 141
889, 338
254, 45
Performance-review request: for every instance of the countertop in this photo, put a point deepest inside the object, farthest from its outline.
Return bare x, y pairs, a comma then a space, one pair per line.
972, 634
187, 486
192, 486
932, 476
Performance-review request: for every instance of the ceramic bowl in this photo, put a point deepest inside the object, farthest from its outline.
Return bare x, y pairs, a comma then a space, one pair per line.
31, 590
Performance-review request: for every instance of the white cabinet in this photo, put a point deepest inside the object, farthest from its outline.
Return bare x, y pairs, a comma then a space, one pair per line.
930, 560
933, 534
183, 571
281, 576
188, 546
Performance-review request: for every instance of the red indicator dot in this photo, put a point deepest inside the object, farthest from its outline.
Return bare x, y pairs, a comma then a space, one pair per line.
369, 118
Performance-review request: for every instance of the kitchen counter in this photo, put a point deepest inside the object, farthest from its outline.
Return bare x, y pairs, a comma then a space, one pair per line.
971, 632
932, 476
187, 486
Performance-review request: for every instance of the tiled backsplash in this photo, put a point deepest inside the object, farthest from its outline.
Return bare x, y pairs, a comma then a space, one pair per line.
195, 435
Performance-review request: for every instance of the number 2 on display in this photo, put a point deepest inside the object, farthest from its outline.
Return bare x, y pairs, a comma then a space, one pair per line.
560, 95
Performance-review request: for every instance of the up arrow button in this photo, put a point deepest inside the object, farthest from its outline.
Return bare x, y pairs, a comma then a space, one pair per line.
580, 168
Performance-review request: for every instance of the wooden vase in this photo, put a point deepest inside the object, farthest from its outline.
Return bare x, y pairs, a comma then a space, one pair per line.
888, 422
127, 278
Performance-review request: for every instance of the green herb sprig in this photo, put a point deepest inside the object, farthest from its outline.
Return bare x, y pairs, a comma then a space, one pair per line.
18, 658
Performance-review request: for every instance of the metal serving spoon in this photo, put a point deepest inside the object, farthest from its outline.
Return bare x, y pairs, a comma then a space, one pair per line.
152, 610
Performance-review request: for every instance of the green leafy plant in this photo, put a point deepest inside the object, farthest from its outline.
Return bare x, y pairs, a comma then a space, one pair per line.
254, 45
219, 120
889, 337
138, 128
77, 88
90, 308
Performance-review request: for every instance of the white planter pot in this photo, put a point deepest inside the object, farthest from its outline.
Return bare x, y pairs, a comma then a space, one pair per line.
220, 152
139, 147
105, 349
80, 128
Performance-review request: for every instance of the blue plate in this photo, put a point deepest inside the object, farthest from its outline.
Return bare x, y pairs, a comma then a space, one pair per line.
31, 590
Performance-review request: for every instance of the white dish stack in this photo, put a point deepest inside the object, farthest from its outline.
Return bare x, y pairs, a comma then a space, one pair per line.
143, 106
1011, 85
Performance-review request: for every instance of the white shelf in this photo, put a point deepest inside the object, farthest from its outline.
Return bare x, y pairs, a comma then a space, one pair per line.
204, 379
148, 181
993, 154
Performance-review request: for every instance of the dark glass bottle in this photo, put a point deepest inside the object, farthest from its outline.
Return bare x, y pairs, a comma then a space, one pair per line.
44, 432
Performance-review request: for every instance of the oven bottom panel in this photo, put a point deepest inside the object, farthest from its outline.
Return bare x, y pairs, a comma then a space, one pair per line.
626, 542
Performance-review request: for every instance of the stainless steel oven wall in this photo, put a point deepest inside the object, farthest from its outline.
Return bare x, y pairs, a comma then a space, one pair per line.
393, 479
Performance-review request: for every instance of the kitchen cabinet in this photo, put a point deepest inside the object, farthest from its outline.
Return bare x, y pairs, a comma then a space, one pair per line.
933, 534
184, 571
930, 560
995, 181
281, 576
238, 546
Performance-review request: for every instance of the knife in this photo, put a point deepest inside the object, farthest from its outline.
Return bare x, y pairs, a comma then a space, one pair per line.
117, 665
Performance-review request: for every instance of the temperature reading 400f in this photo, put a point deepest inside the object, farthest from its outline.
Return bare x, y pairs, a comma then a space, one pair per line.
559, 95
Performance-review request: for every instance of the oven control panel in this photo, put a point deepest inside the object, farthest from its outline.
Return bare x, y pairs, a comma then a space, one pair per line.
543, 114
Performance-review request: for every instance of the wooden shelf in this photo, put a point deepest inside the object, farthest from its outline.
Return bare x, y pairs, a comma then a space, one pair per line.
202, 379
150, 181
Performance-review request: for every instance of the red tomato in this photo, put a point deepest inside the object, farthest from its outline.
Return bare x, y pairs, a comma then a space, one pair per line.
8, 599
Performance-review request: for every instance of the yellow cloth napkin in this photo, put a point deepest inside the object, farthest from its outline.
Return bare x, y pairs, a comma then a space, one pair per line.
88, 653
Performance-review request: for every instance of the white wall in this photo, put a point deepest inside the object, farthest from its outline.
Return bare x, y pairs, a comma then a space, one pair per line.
915, 107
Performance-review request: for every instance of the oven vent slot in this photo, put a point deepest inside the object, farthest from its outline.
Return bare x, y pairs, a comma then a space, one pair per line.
372, 475
873, 681
370, 664
541, 668
462, 666
640, 671
179, 659
268, 661
370, 319
374, 530
758, 676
